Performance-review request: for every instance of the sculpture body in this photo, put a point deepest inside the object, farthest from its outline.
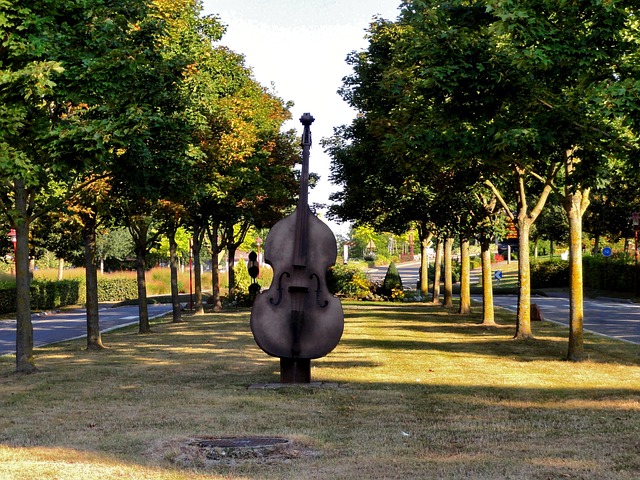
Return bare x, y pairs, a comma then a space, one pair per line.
297, 319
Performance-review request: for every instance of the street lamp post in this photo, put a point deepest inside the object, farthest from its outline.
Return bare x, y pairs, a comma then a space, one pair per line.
191, 274
635, 218
258, 243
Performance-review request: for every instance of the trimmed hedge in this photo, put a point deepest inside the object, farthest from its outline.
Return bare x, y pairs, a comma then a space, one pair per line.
614, 274
7, 298
113, 290
551, 274
47, 295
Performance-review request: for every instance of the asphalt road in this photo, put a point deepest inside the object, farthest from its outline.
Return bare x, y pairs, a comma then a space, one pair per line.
609, 317
66, 325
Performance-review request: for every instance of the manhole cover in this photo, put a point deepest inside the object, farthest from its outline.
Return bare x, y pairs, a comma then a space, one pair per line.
209, 450
239, 442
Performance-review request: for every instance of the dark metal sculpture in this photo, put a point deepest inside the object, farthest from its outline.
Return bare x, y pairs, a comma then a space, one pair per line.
297, 319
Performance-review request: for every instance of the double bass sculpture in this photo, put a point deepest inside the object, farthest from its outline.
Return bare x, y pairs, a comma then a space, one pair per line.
297, 319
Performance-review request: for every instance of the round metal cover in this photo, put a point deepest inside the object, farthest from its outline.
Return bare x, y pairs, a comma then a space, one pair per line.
240, 442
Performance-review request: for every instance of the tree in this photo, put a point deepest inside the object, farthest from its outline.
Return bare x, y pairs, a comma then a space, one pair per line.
49, 137
113, 245
580, 60
483, 85
414, 137
156, 161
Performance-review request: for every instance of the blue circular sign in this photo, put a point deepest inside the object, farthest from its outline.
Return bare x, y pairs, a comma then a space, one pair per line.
606, 251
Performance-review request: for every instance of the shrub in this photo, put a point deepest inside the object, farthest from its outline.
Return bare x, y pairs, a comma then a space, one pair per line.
370, 257
7, 298
114, 289
348, 281
551, 274
616, 273
44, 295
242, 277
475, 262
391, 280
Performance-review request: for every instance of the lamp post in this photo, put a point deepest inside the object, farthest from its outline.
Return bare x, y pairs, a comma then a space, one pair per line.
635, 218
191, 274
258, 243
13, 237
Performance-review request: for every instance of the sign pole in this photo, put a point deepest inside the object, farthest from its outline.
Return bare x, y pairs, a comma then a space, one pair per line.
635, 218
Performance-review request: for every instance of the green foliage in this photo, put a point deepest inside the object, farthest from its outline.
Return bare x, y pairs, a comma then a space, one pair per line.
8, 298
392, 280
475, 262
44, 295
242, 277
616, 273
114, 289
551, 274
114, 245
348, 281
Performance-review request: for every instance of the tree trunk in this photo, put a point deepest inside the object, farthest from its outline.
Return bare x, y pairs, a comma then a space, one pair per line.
596, 244
60, 269
448, 273
437, 266
215, 276
94, 338
524, 221
175, 293
488, 317
143, 311
523, 322
425, 239
25, 362
575, 205
465, 278
198, 233
424, 269
231, 252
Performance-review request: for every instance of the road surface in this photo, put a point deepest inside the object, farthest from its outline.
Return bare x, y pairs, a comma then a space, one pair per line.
609, 317
66, 325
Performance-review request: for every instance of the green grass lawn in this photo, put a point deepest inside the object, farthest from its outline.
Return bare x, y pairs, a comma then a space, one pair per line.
412, 391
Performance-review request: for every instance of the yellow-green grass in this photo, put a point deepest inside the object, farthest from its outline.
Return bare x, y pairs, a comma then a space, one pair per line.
412, 391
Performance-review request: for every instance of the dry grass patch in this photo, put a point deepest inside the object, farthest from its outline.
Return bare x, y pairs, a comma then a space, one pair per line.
413, 391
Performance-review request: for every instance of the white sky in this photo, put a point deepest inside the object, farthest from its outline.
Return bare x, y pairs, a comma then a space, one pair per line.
300, 46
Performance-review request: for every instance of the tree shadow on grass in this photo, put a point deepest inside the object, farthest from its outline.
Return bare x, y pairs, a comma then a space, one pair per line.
550, 340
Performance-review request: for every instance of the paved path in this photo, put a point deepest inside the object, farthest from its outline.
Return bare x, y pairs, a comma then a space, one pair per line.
66, 325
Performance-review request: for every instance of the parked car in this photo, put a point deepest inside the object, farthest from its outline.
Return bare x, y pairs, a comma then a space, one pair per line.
505, 244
